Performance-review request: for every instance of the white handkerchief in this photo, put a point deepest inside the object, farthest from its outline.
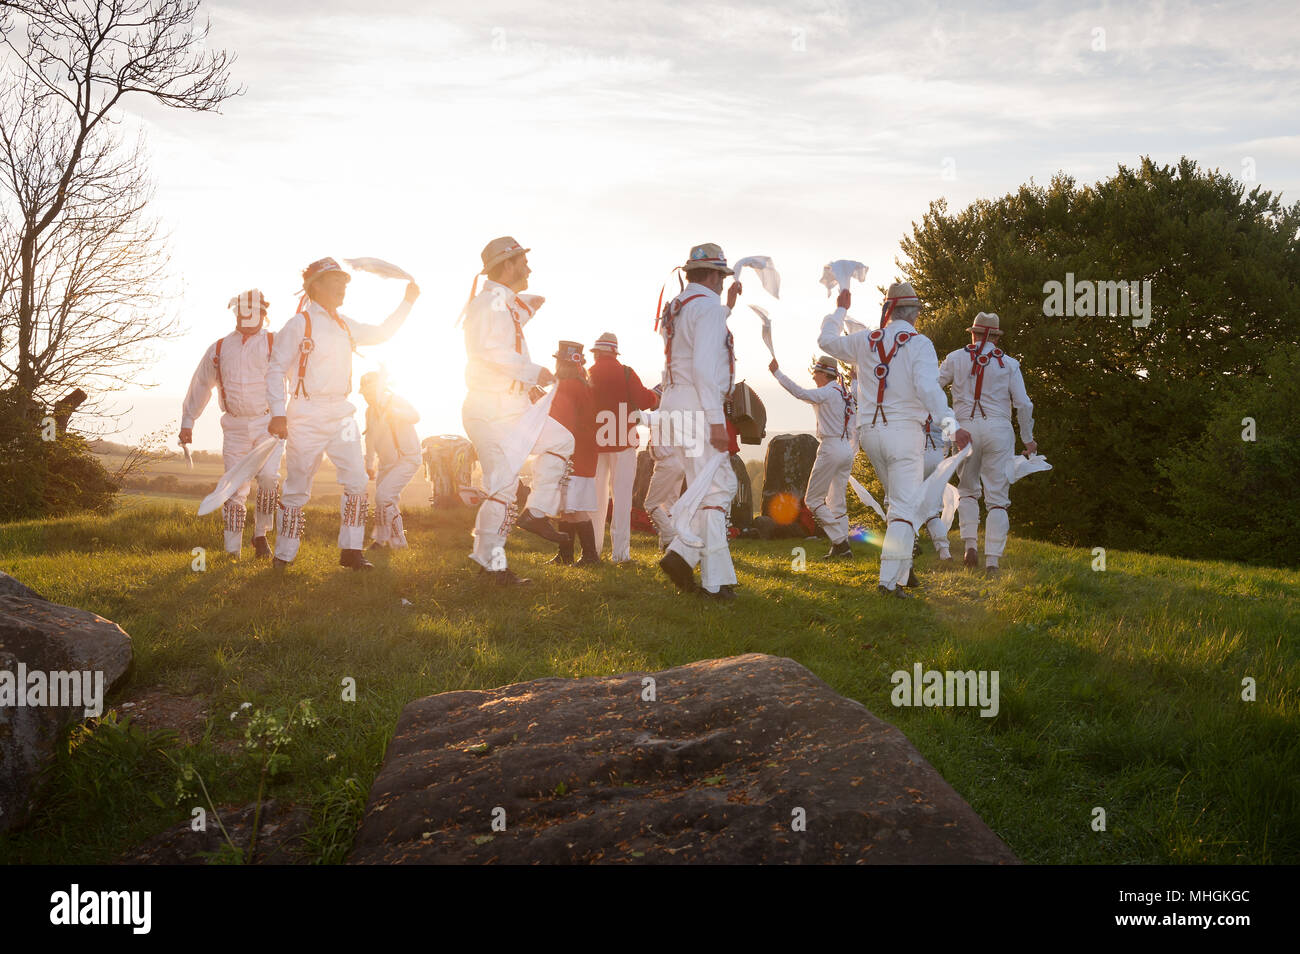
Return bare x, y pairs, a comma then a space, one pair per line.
933, 493
840, 272
767, 328
767, 272
377, 266
1022, 466
688, 503
853, 326
243, 471
865, 496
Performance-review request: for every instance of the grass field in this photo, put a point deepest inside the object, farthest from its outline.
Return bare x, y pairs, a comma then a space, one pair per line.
1120, 689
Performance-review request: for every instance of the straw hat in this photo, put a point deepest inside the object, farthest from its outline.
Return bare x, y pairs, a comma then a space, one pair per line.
708, 256
827, 365
321, 267
498, 250
608, 342
985, 323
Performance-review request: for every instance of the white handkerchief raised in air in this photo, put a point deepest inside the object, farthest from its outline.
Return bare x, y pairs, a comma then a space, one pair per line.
767, 328
853, 326
840, 272
377, 266
1022, 466
865, 496
767, 273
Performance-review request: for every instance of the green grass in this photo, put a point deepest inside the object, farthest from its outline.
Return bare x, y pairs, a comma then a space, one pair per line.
1119, 689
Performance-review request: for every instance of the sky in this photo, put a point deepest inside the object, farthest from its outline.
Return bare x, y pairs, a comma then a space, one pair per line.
611, 137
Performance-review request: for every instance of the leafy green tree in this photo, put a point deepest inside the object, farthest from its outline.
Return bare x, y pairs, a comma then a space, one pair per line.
1112, 401
1234, 490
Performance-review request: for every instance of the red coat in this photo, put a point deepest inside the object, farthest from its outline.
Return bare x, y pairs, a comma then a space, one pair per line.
574, 407
614, 384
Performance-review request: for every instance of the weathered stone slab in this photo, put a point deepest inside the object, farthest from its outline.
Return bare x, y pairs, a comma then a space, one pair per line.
712, 771
37, 636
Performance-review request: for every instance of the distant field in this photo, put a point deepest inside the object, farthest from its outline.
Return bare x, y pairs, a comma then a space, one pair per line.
198, 483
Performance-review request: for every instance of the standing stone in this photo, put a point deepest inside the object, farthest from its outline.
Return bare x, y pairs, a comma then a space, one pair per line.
716, 768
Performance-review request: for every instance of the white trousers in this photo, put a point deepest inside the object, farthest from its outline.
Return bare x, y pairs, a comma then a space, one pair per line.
320, 427
994, 444
664, 488
710, 521
489, 420
827, 485
897, 453
393, 475
615, 476
238, 435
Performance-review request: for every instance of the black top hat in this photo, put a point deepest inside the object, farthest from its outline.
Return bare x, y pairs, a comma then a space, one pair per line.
570, 351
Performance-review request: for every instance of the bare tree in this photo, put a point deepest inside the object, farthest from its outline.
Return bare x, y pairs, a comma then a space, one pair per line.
80, 261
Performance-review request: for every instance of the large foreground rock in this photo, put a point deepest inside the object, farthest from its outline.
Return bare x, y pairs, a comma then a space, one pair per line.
588, 770
46, 637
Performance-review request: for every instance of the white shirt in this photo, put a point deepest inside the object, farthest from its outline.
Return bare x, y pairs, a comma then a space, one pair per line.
1003, 387
498, 358
835, 412
912, 391
700, 359
390, 429
243, 378
329, 363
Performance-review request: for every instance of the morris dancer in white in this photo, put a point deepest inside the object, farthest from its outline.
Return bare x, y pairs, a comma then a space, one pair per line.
986, 383
829, 480
314, 352
236, 366
699, 369
665, 484
898, 388
392, 443
499, 375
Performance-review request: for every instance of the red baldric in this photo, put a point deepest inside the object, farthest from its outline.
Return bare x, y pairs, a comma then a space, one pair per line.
668, 317
519, 329
216, 363
881, 371
307, 346
978, 362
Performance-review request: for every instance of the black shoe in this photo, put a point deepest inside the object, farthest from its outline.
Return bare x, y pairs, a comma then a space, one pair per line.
564, 556
507, 577
542, 527
897, 593
840, 551
946, 563
972, 559
912, 579
278, 564
678, 570
261, 549
724, 594
586, 535
353, 560
992, 571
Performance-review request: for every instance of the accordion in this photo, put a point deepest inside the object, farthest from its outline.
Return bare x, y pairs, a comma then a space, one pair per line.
747, 413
